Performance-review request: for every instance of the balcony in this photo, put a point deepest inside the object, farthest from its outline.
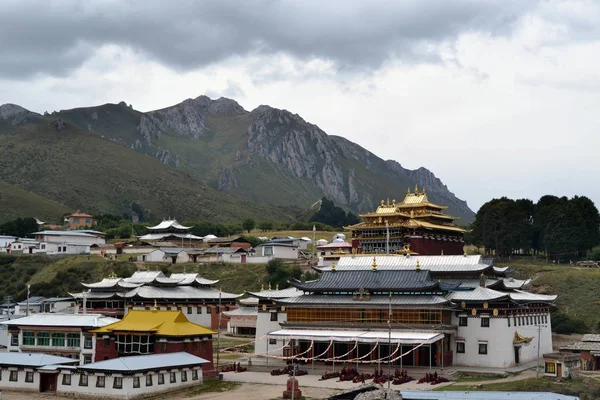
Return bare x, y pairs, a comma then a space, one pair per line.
62, 349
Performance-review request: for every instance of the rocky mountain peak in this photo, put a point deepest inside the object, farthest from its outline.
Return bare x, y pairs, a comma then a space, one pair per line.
16, 113
222, 105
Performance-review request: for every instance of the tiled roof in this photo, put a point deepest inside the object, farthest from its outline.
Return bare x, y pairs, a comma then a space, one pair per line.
379, 300
161, 322
144, 363
159, 236
109, 283
178, 292
370, 280
64, 233
171, 223
585, 346
435, 264
477, 294
188, 279
276, 294
521, 296
591, 337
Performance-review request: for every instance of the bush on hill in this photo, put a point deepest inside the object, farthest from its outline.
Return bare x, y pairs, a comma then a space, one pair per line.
564, 324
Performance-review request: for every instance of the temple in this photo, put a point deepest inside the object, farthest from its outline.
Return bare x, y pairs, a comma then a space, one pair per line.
188, 292
440, 310
414, 226
169, 230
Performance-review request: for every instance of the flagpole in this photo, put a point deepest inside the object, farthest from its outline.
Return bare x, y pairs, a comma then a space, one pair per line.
314, 243
27, 311
219, 332
390, 340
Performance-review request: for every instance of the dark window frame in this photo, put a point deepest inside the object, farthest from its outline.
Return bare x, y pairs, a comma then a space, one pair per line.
460, 347
485, 322
463, 321
483, 348
118, 382
83, 380
100, 381
29, 376
136, 382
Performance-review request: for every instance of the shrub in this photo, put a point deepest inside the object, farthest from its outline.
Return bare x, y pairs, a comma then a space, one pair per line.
563, 324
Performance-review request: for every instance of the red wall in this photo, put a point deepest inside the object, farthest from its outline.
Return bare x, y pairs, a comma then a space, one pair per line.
433, 247
214, 317
105, 353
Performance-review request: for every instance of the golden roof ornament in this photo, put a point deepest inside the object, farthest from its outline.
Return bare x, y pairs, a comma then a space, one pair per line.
388, 203
408, 191
423, 190
382, 202
269, 285
374, 267
418, 267
394, 201
112, 275
333, 267
155, 305
416, 188
262, 287
277, 286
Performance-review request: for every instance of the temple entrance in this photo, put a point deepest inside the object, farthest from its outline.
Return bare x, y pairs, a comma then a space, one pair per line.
516, 354
48, 383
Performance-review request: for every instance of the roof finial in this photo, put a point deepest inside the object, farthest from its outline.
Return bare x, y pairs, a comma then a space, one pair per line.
277, 286
388, 201
423, 189
418, 267
394, 201
374, 264
155, 305
262, 287
269, 285
382, 202
416, 188
442, 251
333, 267
112, 275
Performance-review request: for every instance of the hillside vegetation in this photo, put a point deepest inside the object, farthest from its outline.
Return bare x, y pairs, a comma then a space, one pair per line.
16, 202
84, 171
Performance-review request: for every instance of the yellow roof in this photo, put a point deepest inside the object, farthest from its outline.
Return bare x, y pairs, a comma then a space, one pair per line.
160, 322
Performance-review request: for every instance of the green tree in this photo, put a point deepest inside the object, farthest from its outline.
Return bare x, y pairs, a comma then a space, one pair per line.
280, 275
20, 227
265, 226
248, 224
330, 214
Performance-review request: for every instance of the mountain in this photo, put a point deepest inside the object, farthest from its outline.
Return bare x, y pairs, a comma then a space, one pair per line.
52, 162
266, 155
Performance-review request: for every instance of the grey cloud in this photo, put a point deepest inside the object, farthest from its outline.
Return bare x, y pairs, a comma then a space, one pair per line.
55, 37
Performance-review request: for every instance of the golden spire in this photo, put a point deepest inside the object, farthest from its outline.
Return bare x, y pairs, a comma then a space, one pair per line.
155, 305
418, 267
394, 201
388, 203
333, 267
112, 275
423, 189
262, 287
269, 285
374, 264
277, 286
408, 191
382, 202
416, 188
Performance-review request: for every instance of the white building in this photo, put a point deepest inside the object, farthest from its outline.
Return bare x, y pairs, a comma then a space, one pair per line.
278, 250
22, 371
5, 241
73, 237
168, 255
58, 334
61, 248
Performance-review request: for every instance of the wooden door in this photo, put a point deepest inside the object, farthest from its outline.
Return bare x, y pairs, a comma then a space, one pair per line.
48, 383
559, 370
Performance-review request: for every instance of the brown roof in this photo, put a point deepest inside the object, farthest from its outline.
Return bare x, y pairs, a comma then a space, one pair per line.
80, 214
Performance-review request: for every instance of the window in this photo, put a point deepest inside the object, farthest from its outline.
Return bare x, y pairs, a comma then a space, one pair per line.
161, 379
208, 310
75, 220
189, 310
199, 310
43, 246
87, 358
28, 339
106, 343
194, 374
43, 339
485, 322
136, 381
185, 346
29, 376
87, 342
482, 348
73, 340
272, 341
173, 377
508, 319
148, 380
83, 380
462, 321
14, 376
100, 381
183, 376
118, 382
460, 347
163, 347
58, 339
66, 380
550, 368
274, 316
14, 339
87, 221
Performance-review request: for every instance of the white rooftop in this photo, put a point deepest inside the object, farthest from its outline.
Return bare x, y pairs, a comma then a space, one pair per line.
360, 336
169, 223
80, 320
147, 362
432, 263
33, 359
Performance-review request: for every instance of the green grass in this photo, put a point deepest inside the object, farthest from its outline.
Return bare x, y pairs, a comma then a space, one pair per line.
586, 388
16, 202
212, 386
478, 377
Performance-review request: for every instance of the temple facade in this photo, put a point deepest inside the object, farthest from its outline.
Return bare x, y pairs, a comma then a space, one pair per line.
440, 310
144, 290
414, 226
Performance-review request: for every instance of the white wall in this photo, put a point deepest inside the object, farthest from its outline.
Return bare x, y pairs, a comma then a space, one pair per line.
283, 252
128, 391
264, 325
20, 385
499, 337
88, 240
155, 256
53, 248
60, 350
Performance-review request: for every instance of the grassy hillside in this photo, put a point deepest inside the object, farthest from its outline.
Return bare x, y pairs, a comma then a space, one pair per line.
16, 202
82, 170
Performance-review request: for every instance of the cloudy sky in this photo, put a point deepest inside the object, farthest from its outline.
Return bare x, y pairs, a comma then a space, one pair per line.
495, 97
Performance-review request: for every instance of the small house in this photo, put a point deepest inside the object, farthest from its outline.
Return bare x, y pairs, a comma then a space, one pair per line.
588, 349
168, 255
562, 365
231, 241
278, 250
79, 220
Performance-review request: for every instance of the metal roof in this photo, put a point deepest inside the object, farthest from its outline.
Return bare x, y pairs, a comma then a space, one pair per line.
94, 295
149, 277
276, 294
521, 296
159, 236
179, 293
170, 223
188, 279
243, 312
435, 264
477, 294
147, 362
482, 395
396, 280
108, 283
82, 320
379, 300
64, 233
590, 337
33, 359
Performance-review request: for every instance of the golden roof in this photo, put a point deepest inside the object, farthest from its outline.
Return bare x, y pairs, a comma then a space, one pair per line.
409, 223
159, 322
